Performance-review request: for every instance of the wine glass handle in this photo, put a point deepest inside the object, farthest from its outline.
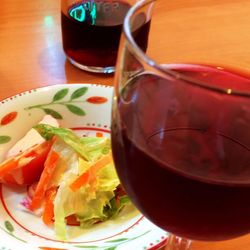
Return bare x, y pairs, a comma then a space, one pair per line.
177, 243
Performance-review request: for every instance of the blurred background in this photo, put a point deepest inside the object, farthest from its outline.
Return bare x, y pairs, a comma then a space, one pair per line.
31, 53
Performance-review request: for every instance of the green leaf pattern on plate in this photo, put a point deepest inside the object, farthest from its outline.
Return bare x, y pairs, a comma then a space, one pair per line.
9, 229
111, 244
75, 110
9, 226
79, 93
118, 240
111, 248
60, 94
53, 113
60, 98
4, 139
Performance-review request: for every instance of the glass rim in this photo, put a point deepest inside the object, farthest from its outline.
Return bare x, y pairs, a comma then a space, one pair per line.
141, 55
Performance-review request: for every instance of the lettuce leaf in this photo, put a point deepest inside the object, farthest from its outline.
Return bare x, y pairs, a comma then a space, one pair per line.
90, 148
96, 146
67, 135
116, 205
90, 204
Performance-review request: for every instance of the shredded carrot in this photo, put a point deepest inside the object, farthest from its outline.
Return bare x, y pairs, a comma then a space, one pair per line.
48, 212
7, 166
92, 183
80, 181
88, 176
49, 167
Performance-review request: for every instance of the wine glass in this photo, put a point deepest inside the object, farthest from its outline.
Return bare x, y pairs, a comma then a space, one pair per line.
91, 32
181, 117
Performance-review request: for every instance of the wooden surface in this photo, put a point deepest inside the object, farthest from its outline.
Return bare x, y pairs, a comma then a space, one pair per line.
31, 56
31, 53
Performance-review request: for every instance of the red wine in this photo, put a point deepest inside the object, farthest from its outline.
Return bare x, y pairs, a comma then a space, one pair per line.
91, 32
183, 151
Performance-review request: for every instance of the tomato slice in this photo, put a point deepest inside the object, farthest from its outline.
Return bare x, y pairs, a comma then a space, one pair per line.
26, 167
71, 220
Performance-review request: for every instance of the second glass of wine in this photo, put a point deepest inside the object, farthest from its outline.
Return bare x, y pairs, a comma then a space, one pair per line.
91, 32
181, 117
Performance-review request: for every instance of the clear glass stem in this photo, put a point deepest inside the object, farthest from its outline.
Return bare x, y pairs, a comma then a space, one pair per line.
177, 243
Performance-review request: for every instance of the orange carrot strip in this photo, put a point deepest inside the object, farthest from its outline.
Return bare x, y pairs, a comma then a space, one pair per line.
80, 181
7, 166
85, 177
49, 167
48, 212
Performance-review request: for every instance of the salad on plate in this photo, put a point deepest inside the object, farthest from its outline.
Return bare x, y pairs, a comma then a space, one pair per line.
71, 180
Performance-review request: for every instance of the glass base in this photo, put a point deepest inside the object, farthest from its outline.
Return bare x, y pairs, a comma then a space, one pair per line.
177, 243
104, 70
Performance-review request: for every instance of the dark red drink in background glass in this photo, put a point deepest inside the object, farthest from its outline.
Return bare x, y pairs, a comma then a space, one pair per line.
91, 33
183, 152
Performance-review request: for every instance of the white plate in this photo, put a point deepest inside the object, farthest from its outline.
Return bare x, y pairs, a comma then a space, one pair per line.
87, 109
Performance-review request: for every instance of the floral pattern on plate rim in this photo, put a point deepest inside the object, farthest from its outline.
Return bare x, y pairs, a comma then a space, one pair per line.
58, 99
